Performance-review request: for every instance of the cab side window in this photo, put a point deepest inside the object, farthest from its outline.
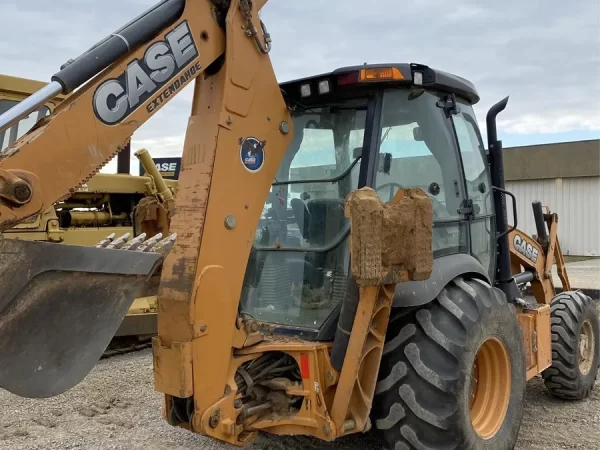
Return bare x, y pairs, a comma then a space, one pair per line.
418, 149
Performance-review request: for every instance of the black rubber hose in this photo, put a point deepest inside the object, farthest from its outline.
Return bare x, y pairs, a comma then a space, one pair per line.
345, 323
140, 30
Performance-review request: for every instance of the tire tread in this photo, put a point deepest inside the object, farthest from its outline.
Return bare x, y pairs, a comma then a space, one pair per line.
563, 378
418, 410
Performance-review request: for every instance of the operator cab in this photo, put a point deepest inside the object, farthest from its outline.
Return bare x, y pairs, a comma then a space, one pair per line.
383, 126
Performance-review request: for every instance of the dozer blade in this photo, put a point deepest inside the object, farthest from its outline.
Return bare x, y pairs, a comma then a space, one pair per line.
60, 306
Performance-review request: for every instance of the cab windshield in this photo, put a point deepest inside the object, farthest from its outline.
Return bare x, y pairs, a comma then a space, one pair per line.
299, 262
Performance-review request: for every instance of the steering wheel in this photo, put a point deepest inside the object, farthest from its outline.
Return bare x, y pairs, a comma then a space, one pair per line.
391, 184
436, 211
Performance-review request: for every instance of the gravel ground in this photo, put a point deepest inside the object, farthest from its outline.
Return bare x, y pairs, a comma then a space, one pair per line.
582, 274
116, 407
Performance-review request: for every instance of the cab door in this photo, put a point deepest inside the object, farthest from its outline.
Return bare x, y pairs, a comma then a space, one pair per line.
417, 148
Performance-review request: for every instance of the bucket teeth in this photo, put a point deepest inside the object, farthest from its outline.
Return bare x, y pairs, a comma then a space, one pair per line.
135, 242
165, 245
119, 242
150, 243
156, 244
107, 240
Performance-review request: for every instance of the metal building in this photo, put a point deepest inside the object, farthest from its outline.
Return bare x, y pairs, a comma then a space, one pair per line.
566, 177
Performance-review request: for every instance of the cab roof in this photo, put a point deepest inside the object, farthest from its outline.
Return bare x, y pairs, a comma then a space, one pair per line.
397, 74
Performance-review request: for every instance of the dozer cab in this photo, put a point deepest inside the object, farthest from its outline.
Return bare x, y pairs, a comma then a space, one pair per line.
13, 90
341, 262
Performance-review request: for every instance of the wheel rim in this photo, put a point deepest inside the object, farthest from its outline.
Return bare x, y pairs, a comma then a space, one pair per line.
586, 347
490, 388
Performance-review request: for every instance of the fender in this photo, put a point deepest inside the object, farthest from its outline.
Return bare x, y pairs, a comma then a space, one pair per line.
445, 269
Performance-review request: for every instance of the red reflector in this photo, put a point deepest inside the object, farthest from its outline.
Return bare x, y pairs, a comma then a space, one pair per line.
348, 78
304, 367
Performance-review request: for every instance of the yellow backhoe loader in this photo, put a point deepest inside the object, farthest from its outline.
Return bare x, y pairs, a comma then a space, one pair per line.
376, 294
574, 322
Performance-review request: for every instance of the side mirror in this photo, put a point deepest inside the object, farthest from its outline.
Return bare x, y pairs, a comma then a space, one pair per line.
357, 152
418, 134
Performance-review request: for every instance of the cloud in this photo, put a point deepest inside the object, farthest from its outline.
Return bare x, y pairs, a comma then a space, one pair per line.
545, 55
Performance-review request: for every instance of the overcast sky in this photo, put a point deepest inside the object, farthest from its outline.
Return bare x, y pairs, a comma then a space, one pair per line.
544, 54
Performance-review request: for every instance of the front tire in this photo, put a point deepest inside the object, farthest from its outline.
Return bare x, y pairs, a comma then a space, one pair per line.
575, 346
426, 396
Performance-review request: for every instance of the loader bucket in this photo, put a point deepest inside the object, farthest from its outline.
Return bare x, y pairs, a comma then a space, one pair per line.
60, 306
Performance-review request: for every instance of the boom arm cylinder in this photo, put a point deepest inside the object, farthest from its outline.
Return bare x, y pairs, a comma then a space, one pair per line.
151, 170
540, 224
76, 72
127, 38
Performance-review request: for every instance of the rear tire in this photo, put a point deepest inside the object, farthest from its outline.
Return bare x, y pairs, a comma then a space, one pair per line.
575, 346
424, 392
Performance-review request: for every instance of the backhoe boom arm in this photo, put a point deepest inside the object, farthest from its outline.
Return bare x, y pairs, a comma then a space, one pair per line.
132, 74
238, 103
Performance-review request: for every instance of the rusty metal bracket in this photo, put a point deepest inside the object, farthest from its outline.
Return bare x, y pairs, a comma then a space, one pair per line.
14, 189
252, 32
20, 196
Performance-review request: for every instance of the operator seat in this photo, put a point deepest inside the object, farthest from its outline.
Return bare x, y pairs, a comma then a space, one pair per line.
320, 222
326, 220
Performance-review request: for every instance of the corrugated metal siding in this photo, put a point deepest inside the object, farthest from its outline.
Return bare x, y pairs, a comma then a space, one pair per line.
575, 200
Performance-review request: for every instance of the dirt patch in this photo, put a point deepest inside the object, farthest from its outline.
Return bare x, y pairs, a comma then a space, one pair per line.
390, 241
122, 411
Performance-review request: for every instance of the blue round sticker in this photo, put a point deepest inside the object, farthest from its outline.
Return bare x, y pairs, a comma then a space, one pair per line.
252, 154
